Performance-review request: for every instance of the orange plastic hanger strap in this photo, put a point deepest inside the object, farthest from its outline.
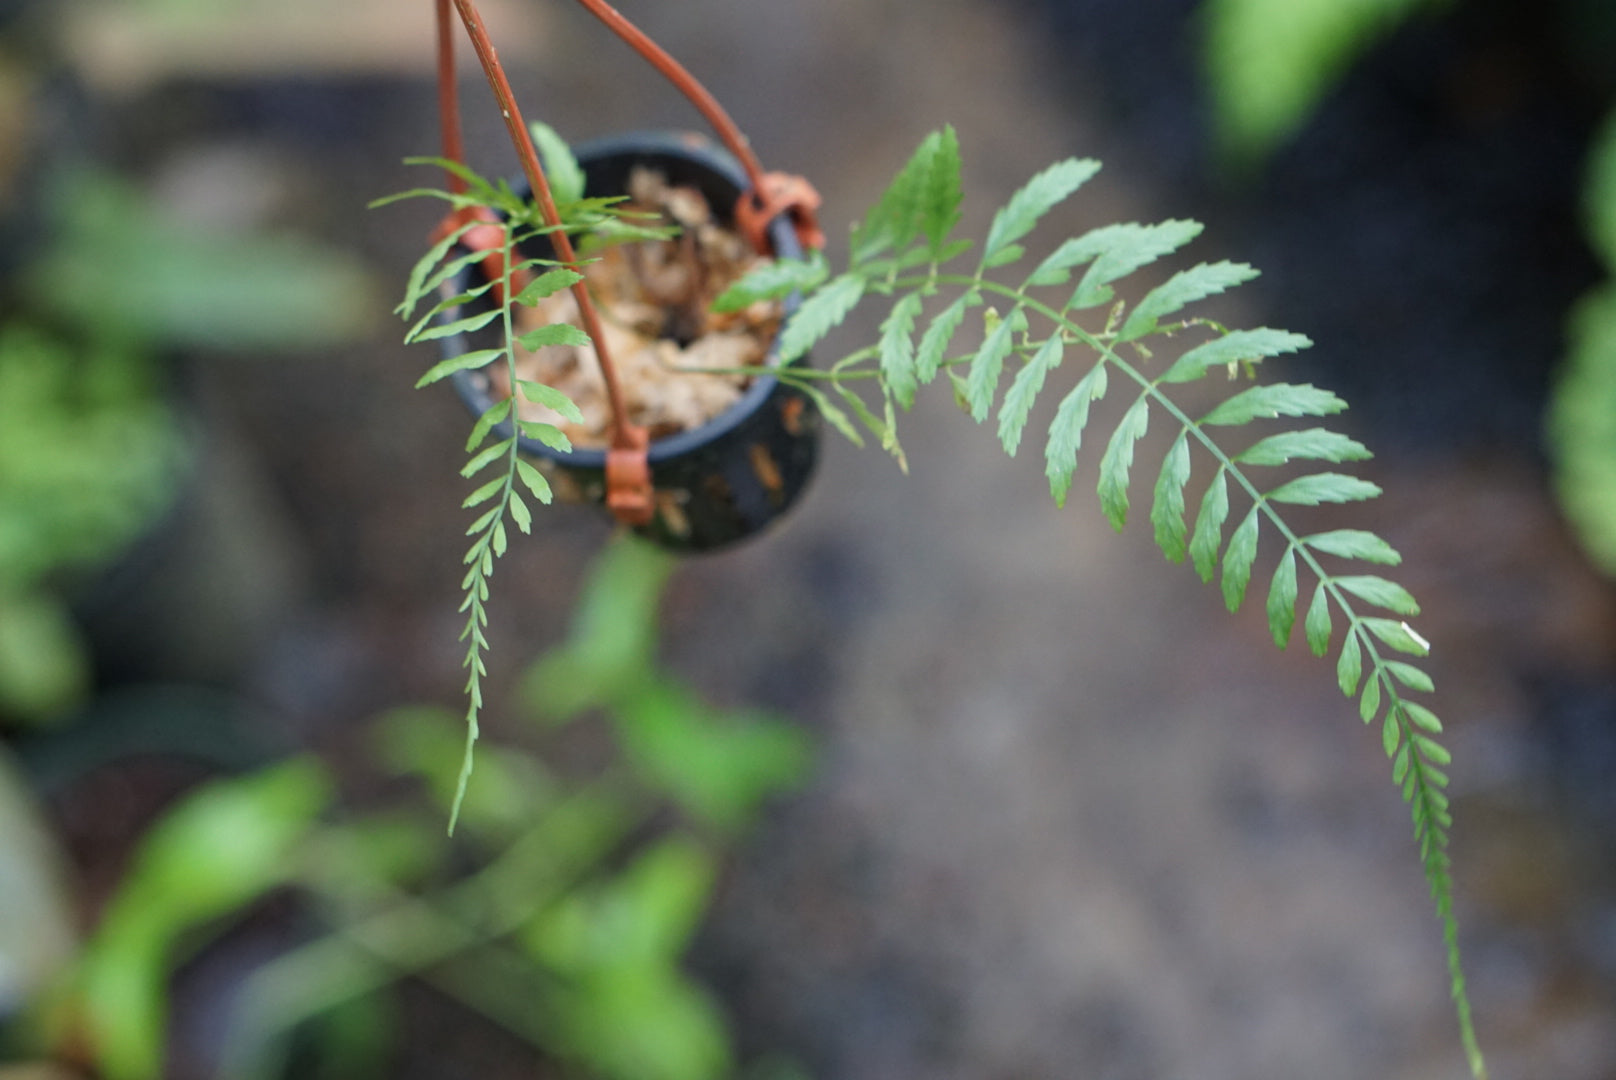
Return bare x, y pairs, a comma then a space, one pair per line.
628, 477
780, 193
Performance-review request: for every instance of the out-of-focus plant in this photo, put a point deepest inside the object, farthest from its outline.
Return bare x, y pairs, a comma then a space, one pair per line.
90, 453
94, 448
1270, 62
1582, 407
568, 928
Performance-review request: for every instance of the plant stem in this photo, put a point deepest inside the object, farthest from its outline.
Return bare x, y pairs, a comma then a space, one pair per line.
622, 437
454, 147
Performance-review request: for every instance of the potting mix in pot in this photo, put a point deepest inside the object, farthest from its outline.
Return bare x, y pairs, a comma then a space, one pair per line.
681, 364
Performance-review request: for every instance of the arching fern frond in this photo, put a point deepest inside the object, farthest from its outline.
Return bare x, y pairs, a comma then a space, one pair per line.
500, 472
899, 259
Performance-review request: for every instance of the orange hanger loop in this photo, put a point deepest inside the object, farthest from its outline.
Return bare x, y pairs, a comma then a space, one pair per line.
780, 193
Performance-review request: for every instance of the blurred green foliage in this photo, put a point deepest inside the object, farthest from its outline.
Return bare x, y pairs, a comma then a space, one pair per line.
1270, 62
561, 912
90, 456
94, 447
1582, 404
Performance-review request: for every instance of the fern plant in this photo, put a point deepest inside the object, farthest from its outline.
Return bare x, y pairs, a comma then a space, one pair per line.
905, 256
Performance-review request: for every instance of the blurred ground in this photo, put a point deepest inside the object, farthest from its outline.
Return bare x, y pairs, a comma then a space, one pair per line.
1073, 820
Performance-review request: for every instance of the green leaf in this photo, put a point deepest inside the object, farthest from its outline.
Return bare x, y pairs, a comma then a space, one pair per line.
1066, 432
481, 189
1117, 462
1313, 444
983, 381
1137, 246
1369, 701
1004, 256
940, 201
1390, 733
1282, 599
1399, 635
1040, 194
1238, 348
551, 398
458, 326
209, 858
492, 453
837, 418
548, 434
492, 415
1599, 191
534, 480
1183, 288
872, 423
1380, 592
1349, 668
484, 493
1167, 509
452, 269
1419, 715
1323, 488
1400, 765
1270, 62
1433, 751
922, 199
1237, 561
553, 334
445, 304
560, 167
818, 315
1024, 391
417, 286
1410, 676
934, 342
1208, 535
433, 256
1354, 544
520, 513
1316, 626
443, 369
773, 280
889, 437
548, 284
898, 350
1277, 399
1058, 264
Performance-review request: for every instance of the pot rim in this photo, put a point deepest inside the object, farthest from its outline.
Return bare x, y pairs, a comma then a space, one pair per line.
473, 387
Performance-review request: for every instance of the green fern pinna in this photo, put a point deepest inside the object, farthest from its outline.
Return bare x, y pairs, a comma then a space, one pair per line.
905, 257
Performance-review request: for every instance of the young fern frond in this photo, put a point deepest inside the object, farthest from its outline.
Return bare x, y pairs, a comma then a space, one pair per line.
899, 254
497, 467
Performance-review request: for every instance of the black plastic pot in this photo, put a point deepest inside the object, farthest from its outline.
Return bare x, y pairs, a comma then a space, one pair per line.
735, 475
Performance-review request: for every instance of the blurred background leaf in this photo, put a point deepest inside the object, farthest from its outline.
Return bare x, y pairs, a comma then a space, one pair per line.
1270, 62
